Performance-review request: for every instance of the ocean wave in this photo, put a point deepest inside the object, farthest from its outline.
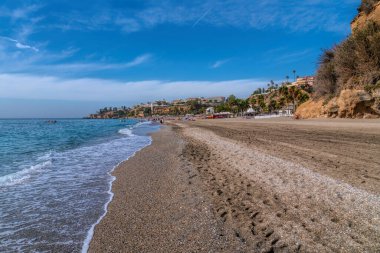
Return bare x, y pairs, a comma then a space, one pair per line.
142, 123
126, 131
45, 157
22, 175
90, 232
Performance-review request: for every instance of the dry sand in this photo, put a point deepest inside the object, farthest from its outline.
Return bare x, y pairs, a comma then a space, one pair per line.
158, 206
249, 186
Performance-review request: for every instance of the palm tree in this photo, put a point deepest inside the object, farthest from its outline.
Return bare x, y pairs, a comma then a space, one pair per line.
287, 79
283, 90
294, 95
294, 73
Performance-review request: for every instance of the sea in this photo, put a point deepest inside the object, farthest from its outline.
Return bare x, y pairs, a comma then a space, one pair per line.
55, 179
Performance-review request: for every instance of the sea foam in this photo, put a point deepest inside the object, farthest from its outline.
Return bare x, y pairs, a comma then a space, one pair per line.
22, 175
126, 131
68, 184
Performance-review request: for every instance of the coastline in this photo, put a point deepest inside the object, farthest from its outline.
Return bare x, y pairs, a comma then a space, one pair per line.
238, 186
158, 205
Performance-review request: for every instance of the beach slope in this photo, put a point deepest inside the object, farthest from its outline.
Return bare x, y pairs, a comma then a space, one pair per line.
158, 205
249, 186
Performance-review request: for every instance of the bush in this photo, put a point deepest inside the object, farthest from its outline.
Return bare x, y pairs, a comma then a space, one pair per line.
366, 43
367, 6
326, 79
345, 63
354, 63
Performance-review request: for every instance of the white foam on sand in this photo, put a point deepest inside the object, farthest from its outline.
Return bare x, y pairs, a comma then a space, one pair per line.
90, 233
126, 131
22, 175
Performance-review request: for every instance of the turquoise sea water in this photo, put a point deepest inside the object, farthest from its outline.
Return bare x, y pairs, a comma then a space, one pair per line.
55, 179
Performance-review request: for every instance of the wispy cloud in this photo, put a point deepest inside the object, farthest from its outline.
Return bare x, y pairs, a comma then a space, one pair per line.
19, 13
19, 44
291, 57
53, 63
86, 89
201, 17
219, 63
138, 60
296, 16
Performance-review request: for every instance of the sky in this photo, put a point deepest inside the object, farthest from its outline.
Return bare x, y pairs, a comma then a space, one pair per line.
62, 58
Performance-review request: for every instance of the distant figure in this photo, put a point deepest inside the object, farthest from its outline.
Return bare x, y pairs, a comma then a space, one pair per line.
51, 121
161, 121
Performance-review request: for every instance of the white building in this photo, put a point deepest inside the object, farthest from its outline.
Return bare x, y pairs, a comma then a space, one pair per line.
210, 110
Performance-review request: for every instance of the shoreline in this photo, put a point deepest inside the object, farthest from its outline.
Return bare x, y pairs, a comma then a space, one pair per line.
155, 208
90, 232
230, 180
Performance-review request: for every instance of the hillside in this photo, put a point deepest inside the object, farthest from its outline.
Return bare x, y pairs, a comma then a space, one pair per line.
368, 11
348, 79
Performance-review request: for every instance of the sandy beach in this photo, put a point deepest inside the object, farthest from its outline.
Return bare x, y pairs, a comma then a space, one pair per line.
239, 185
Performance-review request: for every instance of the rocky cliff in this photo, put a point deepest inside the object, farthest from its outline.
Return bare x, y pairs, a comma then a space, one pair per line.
362, 18
349, 104
348, 79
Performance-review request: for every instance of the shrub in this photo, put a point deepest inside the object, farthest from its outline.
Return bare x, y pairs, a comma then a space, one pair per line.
367, 6
354, 63
326, 80
345, 62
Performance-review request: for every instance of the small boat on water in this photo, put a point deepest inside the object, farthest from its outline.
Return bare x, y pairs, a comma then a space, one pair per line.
51, 121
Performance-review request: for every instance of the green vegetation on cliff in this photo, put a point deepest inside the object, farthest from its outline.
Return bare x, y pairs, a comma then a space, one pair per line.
353, 64
367, 6
347, 82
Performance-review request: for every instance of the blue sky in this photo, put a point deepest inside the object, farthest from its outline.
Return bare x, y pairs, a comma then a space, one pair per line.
63, 58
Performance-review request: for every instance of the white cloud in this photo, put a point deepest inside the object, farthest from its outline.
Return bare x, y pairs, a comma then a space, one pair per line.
47, 87
201, 17
219, 63
19, 44
48, 63
139, 60
19, 13
293, 15
91, 67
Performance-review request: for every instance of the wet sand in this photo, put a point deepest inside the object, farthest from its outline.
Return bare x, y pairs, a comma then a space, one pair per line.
249, 186
158, 205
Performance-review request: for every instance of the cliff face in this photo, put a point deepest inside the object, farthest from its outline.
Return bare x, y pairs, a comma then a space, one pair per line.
349, 104
356, 96
363, 18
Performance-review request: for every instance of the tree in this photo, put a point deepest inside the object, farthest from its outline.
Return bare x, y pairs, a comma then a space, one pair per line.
326, 77
231, 100
175, 110
195, 106
282, 102
367, 6
272, 105
294, 73
292, 91
147, 111
355, 63
283, 90
222, 108
242, 104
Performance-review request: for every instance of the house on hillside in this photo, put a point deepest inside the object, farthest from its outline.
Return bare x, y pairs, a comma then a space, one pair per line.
304, 81
217, 100
250, 112
287, 110
179, 102
210, 110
